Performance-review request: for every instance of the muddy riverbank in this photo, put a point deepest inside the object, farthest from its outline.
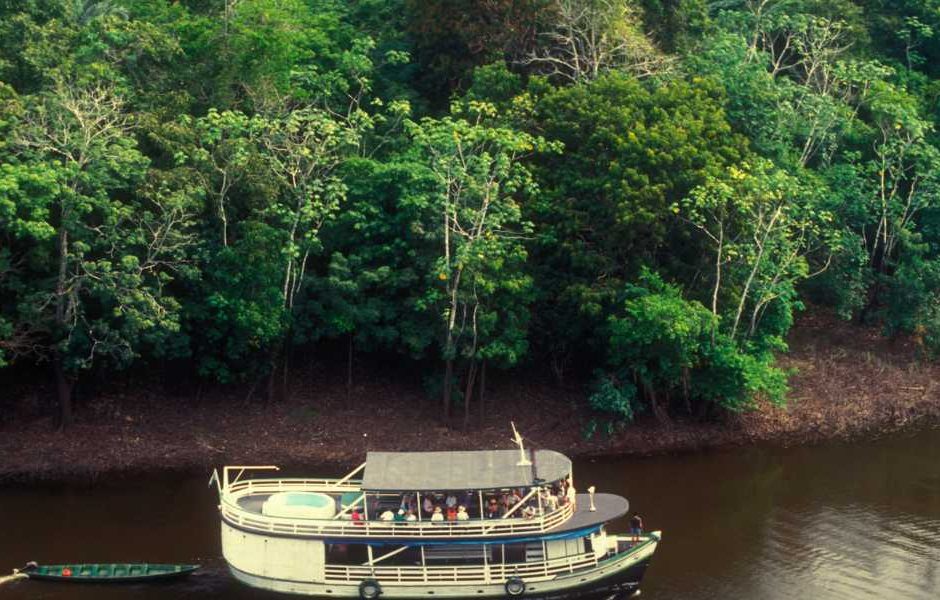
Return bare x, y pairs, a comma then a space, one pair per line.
848, 382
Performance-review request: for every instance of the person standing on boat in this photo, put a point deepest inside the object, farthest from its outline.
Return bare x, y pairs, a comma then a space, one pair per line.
437, 516
572, 496
550, 500
428, 505
636, 527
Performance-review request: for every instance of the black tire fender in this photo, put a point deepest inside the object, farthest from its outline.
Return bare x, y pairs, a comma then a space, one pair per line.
369, 589
514, 587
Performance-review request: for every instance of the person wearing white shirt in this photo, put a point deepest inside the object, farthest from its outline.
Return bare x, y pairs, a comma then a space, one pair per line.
572, 496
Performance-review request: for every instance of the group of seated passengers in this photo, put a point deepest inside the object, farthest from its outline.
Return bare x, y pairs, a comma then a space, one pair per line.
440, 507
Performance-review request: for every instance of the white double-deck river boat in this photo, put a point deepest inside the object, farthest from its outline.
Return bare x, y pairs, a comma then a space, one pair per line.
512, 528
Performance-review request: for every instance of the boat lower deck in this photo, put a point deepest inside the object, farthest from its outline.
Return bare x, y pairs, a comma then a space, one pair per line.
622, 571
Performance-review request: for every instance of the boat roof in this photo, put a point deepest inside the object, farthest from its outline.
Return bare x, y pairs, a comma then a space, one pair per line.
460, 470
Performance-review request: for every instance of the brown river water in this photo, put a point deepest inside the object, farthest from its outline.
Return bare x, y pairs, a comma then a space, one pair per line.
832, 521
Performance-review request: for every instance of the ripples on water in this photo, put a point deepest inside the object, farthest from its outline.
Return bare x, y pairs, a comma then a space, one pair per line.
851, 552
837, 521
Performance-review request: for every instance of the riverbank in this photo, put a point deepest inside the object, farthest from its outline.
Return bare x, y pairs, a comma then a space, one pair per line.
849, 382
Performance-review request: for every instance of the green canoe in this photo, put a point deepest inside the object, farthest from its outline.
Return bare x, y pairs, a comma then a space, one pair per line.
108, 572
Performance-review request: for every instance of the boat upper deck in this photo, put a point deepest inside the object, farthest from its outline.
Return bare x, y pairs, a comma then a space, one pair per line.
484, 494
245, 511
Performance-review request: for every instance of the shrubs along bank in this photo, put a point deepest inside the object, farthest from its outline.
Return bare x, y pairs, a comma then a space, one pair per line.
636, 195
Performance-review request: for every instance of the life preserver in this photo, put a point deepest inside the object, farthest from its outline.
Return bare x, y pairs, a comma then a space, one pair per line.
370, 589
514, 587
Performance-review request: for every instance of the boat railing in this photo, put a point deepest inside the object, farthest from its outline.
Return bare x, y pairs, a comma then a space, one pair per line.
489, 573
272, 486
253, 520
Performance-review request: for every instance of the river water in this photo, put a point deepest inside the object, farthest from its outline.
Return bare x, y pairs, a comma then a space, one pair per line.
833, 521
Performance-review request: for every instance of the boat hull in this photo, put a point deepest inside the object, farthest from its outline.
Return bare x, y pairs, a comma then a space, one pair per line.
621, 574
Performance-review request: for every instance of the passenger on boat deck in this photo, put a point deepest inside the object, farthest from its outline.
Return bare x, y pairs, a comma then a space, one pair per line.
388, 515
451, 513
400, 516
636, 528
550, 500
451, 501
513, 499
492, 509
572, 497
428, 505
528, 512
438, 515
411, 516
503, 503
357, 517
462, 514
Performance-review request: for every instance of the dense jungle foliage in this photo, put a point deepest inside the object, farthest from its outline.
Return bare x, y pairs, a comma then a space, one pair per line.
635, 194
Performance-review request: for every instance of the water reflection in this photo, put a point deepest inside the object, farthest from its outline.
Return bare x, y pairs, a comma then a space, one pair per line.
828, 522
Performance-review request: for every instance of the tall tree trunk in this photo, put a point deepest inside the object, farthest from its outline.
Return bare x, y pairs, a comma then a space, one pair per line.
63, 393
448, 375
63, 385
272, 378
349, 370
685, 390
661, 415
285, 375
482, 393
468, 394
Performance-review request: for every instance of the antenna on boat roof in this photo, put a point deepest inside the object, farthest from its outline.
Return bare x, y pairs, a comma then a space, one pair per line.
517, 439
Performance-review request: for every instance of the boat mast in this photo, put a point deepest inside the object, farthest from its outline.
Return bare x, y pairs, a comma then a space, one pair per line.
517, 439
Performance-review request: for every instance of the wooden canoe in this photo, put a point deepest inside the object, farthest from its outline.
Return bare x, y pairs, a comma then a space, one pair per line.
109, 572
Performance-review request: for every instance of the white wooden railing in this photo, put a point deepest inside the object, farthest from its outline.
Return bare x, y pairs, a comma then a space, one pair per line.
474, 528
460, 574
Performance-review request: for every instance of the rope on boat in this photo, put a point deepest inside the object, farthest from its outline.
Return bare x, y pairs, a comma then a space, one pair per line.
16, 575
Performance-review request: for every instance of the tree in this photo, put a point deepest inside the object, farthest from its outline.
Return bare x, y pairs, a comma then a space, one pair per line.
101, 243
588, 38
221, 155
452, 37
603, 211
371, 292
665, 346
762, 227
482, 286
